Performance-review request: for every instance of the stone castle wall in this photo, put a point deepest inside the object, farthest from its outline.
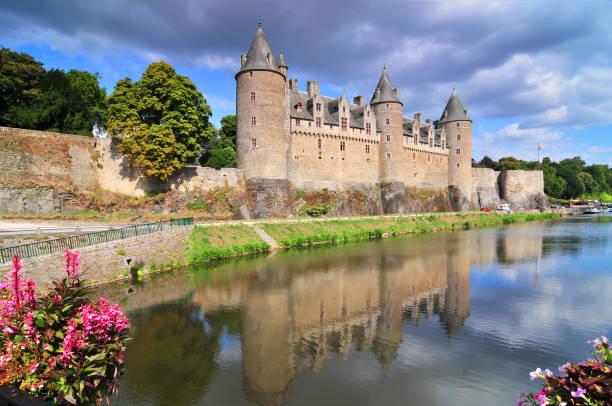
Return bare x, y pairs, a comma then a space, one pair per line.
40, 170
44, 172
485, 188
522, 188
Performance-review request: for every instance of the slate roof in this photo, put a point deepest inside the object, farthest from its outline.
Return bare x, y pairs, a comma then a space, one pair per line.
407, 126
257, 56
454, 110
330, 109
384, 92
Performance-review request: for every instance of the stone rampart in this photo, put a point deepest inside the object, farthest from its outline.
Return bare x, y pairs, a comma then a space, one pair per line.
44, 172
485, 188
522, 189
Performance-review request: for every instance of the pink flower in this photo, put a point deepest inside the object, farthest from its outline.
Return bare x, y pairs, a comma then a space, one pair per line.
578, 393
8, 330
533, 375
541, 398
73, 263
16, 266
30, 292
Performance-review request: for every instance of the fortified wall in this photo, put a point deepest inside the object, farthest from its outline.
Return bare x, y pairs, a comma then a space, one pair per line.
45, 172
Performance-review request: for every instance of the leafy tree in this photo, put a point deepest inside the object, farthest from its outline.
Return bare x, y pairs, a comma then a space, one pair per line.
590, 186
20, 76
221, 158
510, 163
553, 185
227, 132
487, 162
161, 121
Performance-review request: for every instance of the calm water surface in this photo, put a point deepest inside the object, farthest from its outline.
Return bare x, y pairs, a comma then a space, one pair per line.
441, 319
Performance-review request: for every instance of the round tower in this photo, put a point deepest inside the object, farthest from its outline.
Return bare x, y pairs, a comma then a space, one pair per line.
262, 131
389, 112
458, 128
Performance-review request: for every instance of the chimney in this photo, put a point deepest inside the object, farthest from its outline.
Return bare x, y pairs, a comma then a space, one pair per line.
358, 100
242, 60
312, 86
293, 84
417, 118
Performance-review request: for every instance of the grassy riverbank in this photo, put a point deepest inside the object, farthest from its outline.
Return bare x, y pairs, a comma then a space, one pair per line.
211, 243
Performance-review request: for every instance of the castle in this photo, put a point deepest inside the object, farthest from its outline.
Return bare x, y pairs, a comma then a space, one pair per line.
319, 142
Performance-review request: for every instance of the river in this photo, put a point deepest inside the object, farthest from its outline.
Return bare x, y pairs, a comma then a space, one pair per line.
455, 318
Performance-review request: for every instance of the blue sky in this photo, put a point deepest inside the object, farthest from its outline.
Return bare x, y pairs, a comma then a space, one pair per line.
528, 71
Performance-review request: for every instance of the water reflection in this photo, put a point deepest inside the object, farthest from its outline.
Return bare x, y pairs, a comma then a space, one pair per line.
297, 310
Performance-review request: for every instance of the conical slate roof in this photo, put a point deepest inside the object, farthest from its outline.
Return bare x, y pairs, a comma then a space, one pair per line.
384, 92
454, 110
260, 56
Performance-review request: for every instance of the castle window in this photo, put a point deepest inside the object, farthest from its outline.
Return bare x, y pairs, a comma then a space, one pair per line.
319, 143
297, 122
457, 165
253, 120
253, 97
458, 151
414, 156
254, 143
318, 122
298, 107
388, 155
428, 157
416, 140
342, 146
388, 137
367, 147
318, 106
309, 123
344, 123
457, 124
442, 144
387, 121
344, 109
251, 74
368, 128
387, 105
368, 114
320, 157
458, 137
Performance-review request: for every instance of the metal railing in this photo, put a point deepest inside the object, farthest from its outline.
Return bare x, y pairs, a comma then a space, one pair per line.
82, 240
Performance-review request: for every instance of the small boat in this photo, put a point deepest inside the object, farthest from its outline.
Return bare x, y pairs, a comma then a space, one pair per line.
592, 210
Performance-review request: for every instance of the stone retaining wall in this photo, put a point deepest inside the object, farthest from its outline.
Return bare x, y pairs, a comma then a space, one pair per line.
102, 261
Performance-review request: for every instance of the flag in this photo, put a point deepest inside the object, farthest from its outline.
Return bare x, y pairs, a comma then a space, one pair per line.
539, 147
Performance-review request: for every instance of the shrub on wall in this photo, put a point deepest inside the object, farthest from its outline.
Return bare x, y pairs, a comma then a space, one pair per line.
60, 346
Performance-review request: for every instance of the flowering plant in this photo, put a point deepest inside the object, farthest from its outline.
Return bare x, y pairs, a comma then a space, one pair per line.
60, 346
586, 383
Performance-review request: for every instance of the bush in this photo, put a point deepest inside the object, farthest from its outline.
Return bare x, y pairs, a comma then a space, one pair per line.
61, 346
586, 383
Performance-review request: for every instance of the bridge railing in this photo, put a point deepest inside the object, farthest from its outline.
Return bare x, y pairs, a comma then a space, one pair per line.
82, 240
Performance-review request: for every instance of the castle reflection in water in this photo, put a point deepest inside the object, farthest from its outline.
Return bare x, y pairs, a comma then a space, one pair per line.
297, 309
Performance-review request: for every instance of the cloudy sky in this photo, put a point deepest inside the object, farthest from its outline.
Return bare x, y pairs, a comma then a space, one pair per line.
529, 72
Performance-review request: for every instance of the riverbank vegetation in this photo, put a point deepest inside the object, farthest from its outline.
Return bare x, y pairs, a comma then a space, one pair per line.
212, 243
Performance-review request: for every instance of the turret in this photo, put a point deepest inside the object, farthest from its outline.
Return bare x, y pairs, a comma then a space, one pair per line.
282, 65
458, 127
388, 109
261, 112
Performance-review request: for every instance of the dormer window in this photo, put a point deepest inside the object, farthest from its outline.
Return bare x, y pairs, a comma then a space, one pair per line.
318, 106
298, 107
344, 123
368, 128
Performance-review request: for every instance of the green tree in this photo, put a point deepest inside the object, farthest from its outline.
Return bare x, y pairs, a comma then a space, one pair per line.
227, 132
510, 163
20, 76
221, 158
553, 185
161, 121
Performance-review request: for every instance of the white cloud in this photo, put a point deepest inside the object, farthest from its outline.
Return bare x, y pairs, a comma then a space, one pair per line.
541, 135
